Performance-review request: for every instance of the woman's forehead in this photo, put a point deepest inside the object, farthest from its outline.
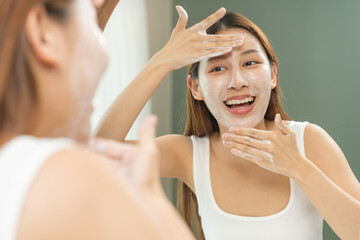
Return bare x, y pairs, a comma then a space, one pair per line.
250, 41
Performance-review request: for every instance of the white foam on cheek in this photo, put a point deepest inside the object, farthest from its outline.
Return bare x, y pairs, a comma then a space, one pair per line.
257, 80
89, 63
212, 91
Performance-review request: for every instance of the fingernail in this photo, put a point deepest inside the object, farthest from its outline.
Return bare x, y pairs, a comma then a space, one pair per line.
180, 9
226, 143
222, 9
153, 120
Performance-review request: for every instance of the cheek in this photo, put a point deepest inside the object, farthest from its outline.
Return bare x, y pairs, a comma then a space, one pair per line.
260, 81
213, 87
91, 61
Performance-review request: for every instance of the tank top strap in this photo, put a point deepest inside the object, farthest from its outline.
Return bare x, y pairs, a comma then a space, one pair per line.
201, 152
299, 128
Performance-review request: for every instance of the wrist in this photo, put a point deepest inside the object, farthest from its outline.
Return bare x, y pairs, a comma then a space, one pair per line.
161, 62
303, 170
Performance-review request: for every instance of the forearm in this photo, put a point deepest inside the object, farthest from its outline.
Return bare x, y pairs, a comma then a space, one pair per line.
340, 210
185, 46
121, 115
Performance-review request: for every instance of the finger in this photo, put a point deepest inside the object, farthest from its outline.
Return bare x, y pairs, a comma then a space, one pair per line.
209, 21
222, 38
253, 142
148, 149
256, 133
260, 162
259, 153
215, 52
281, 125
246, 156
183, 18
221, 44
109, 148
147, 130
147, 166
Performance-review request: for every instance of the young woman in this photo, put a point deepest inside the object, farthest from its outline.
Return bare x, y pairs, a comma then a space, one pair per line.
281, 198
52, 186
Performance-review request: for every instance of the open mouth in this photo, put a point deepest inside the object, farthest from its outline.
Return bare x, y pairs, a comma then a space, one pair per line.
239, 104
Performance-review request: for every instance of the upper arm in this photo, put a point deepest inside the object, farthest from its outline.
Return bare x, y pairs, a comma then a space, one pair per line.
176, 157
323, 151
77, 196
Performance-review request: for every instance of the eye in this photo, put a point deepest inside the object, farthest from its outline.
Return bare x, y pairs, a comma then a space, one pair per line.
250, 63
218, 69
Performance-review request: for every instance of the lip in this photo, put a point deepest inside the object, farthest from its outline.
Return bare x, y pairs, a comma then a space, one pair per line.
238, 97
240, 111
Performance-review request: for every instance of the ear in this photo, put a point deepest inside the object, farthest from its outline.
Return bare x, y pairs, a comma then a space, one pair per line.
193, 84
43, 36
274, 76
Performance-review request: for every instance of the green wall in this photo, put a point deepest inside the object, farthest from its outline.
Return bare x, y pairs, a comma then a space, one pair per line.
319, 63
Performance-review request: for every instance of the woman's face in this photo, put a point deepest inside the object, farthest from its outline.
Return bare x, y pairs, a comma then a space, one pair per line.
85, 62
236, 87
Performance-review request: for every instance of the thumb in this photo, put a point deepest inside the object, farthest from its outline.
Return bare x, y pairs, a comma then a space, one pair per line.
280, 124
147, 131
183, 18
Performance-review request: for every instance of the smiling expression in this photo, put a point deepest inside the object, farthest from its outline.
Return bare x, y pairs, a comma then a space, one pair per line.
236, 87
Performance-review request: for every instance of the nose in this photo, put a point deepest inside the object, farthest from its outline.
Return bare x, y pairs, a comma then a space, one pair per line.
237, 80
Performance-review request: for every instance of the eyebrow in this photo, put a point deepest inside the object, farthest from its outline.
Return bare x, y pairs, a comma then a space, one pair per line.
224, 56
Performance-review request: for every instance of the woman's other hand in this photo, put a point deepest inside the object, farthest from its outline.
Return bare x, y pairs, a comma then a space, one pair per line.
274, 151
187, 46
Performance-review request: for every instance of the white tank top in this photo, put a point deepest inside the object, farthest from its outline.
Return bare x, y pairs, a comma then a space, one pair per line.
299, 220
20, 161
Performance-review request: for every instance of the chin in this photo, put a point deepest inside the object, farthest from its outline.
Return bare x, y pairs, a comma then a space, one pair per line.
247, 122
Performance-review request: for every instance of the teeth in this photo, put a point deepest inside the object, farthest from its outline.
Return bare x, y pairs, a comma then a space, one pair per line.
242, 101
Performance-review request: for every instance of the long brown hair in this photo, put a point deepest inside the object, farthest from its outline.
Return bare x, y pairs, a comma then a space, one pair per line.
201, 122
18, 95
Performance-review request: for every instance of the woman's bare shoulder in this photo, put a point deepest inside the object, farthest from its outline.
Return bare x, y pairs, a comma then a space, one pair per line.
77, 195
176, 156
175, 142
325, 153
317, 142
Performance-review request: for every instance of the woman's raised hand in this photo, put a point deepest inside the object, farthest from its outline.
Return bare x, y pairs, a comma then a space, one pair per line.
187, 46
274, 151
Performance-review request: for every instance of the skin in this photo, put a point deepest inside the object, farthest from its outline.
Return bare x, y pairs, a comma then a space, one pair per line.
331, 179
78, 193
233, 74
60, 53
263, 187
